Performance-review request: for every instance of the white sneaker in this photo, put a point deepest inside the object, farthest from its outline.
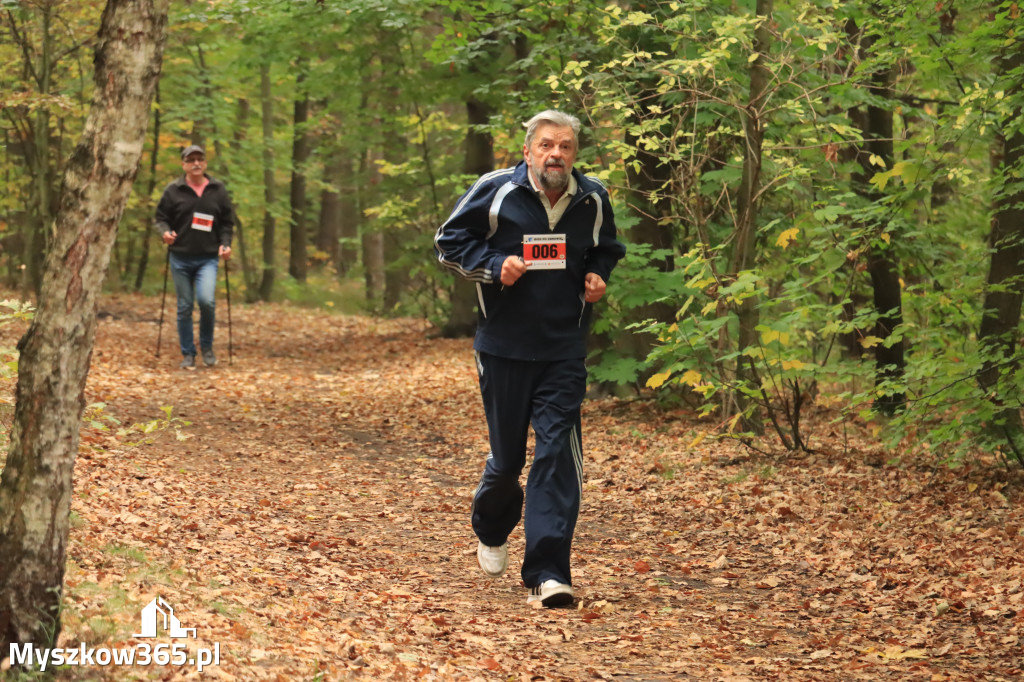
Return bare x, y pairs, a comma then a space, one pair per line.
493, 560
551, 593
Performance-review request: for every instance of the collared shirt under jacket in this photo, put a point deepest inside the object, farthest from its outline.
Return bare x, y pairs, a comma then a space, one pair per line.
543, 316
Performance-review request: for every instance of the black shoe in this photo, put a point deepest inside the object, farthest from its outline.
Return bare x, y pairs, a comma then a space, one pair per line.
189, 362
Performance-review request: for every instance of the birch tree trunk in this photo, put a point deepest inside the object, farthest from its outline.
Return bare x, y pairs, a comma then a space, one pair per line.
35, 489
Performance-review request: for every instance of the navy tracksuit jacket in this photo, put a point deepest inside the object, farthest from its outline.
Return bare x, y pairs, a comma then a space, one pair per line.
530, 346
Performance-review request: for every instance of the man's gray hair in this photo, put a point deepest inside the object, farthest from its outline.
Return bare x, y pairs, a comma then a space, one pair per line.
555, 118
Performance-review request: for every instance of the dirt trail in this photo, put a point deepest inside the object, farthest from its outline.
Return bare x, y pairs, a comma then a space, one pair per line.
315, 523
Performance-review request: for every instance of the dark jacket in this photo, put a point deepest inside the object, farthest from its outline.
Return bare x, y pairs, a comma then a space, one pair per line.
543, 316
176, 211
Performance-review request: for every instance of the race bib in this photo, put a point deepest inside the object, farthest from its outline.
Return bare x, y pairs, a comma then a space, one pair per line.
544, 251
202, 222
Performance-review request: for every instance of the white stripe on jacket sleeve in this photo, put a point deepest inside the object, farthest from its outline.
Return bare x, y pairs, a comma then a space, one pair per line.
478, 274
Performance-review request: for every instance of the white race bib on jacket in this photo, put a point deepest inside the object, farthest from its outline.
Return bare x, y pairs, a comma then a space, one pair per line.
544, 251
202, 222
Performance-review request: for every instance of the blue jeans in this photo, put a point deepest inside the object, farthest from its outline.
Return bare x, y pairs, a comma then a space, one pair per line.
195, 281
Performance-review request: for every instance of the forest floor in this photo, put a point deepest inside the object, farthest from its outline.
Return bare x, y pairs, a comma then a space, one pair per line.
312, 522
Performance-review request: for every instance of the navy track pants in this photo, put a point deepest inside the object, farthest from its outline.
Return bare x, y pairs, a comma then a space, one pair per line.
548, 395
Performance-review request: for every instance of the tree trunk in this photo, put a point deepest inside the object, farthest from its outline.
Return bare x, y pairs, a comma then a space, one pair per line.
10, 243
942, 187
887, 294
395, 278
33, 138
372, 244
353, 198
329, 229
35, 489
373, 266
350, 217
35, 244
140, 274
238, 140
652, 175
395, 150
745, 246
999, 333
269, 187
300, 156
204, 123
239, 243
479, 160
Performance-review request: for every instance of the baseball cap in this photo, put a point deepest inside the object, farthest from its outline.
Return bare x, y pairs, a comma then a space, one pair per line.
191, 149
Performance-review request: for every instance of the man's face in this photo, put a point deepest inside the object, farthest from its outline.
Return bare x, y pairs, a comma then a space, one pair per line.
194, 165
550, 156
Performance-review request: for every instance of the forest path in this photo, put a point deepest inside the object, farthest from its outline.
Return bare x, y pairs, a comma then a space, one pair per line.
315, 522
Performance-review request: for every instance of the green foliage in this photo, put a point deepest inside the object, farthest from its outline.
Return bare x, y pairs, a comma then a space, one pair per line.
636, 283
674, 78
663, 90
141, 433
322, 290
11, 311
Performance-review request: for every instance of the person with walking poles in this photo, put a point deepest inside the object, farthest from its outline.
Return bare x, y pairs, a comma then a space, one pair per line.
539, 241
196, 219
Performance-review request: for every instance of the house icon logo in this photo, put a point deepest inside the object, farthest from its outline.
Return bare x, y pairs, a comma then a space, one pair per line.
151, 620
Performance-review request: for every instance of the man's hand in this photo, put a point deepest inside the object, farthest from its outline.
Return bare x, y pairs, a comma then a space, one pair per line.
170, 236
593, 287
225, 252
512, 269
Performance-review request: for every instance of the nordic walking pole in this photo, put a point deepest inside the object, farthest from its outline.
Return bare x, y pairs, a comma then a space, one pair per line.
163, 299
227, 287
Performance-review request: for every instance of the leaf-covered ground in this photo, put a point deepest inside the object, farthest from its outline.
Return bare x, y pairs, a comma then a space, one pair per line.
315, 524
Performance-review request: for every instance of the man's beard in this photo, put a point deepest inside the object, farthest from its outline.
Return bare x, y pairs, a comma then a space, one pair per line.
554, 179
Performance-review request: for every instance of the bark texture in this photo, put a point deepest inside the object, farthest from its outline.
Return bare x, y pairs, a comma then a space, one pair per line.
999, 332
269, 186
300, 157
883, 267
479, 160
349, 216
745, 248
329, 228
35, 490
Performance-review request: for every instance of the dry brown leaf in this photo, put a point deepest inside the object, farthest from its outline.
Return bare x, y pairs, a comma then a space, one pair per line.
322, 504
